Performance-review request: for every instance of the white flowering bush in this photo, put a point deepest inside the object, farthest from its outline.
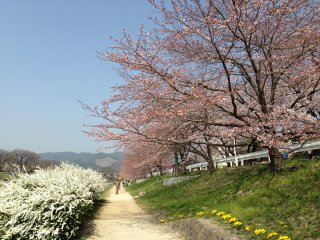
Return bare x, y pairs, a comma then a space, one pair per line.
48, 204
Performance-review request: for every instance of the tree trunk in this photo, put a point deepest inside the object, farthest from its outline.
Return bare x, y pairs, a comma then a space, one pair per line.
21, 166
252, 147
161, 171
176, 163
275, 160
210, 166
184, 167
209, 160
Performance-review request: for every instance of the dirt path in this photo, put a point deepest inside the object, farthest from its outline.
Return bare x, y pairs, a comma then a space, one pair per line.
120, 218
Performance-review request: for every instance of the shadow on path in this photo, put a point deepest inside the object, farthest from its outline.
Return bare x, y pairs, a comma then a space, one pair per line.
87, 227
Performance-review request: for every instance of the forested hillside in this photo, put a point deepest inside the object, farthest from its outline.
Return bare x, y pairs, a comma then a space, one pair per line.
102, 161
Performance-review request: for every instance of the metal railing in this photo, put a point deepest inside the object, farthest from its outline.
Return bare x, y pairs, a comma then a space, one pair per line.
241, 158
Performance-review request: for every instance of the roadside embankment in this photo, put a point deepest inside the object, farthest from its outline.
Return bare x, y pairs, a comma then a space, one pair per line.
248, 200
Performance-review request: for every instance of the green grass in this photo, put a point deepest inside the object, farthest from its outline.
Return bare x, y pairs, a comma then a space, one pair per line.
288, 203
5, 176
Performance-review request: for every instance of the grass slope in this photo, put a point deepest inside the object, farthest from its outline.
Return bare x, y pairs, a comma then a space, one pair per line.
288, 203
5, 176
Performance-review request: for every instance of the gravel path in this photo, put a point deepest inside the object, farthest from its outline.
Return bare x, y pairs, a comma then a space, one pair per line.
120, 218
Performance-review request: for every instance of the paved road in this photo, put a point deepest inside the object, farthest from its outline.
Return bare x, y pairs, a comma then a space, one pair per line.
120, 218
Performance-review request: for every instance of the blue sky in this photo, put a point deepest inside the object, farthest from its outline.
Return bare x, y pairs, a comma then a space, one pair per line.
48, 61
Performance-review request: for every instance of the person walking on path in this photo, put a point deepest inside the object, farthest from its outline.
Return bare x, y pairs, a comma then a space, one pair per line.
117, 183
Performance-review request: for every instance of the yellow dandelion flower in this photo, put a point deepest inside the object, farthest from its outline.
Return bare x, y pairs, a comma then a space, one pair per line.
199, 214
181, 216
237, 223
231, 220
260, 231
248, 228
284, 238
272, 234
227, 216
214, 211
162, 221
221, 213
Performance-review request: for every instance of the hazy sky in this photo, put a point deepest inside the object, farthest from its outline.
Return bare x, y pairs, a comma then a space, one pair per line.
48, 61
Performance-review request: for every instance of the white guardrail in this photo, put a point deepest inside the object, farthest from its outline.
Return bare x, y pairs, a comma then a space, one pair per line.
241, 158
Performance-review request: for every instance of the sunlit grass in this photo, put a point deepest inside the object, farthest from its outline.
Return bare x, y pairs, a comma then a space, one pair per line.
5, 176
288, 203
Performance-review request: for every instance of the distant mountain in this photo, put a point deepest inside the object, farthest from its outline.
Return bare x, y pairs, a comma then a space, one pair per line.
109, 162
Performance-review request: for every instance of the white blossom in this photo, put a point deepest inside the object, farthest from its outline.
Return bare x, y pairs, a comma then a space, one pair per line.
48, 204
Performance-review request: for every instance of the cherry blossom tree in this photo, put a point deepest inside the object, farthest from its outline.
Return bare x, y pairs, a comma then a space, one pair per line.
216, 70
143, 159
260, 59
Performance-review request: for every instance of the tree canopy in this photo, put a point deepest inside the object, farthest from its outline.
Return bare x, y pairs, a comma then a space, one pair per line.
215, 70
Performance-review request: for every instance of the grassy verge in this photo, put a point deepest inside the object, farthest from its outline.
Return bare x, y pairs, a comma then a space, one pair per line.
5, 176
287, 203
86, 226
